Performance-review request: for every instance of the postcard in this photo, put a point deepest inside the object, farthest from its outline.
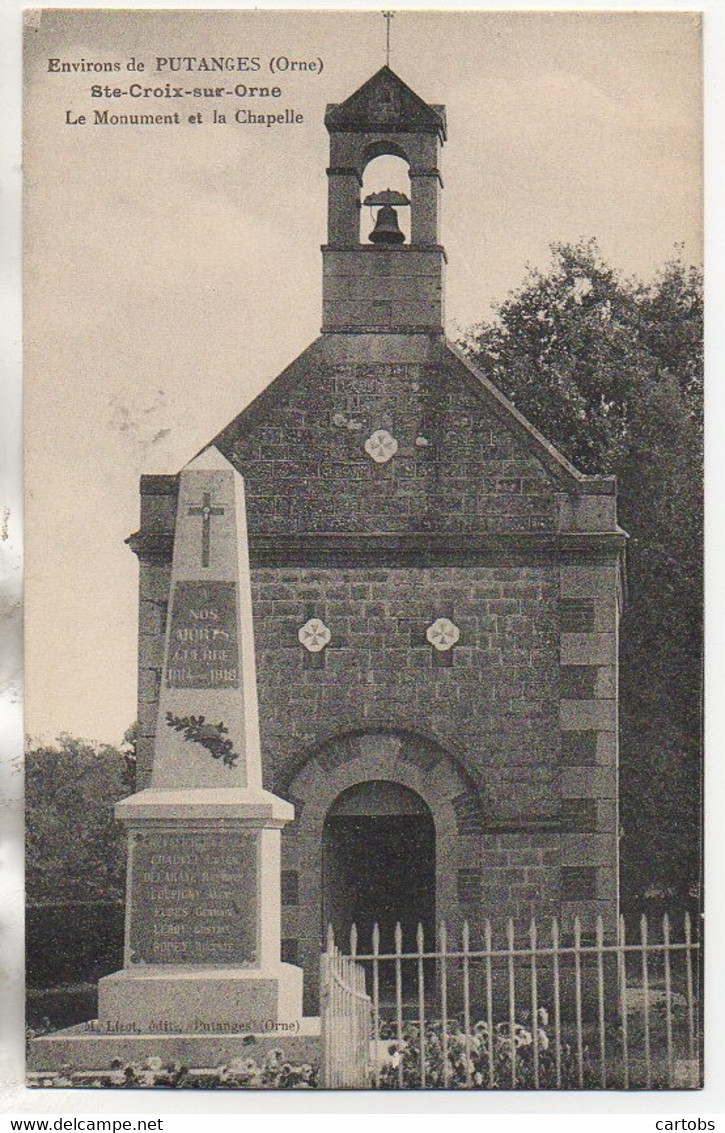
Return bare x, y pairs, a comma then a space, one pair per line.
363, 449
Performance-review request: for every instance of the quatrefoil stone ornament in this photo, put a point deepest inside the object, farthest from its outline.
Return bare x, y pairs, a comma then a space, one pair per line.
381, 446
314, 635
443, 634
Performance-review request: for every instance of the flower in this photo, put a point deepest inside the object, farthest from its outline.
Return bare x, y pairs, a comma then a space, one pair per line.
146, 1078
505, 1033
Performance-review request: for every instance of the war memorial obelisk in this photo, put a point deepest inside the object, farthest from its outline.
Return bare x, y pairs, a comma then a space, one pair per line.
202, 966
202, 948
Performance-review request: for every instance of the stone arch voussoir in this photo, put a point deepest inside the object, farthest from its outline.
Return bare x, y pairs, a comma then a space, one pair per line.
381, 147
411, 758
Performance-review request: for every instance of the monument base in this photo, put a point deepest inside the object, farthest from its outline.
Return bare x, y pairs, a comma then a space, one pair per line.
192, 999
89, 1047
203, 915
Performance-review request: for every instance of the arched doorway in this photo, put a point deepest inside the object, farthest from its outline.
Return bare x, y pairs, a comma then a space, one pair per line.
379, 864
425, 780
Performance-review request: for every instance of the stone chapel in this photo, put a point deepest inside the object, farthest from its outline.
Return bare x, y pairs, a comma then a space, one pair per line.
436, 596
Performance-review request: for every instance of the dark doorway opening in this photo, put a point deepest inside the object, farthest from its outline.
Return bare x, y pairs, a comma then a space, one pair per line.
379, 866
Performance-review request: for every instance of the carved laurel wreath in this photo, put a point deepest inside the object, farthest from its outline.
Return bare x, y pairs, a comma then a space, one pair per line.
211, 736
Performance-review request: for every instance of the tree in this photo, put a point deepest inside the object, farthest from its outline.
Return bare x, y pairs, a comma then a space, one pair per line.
74, 848
129, 754
611, 370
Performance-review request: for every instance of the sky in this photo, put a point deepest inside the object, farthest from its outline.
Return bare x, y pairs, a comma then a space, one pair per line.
170, 274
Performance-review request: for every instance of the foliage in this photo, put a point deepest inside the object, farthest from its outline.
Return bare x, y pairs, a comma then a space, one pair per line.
270, 1072
578, 348
484, 1061
210, 736
486, 1055
129, 752
611, 371
74, 847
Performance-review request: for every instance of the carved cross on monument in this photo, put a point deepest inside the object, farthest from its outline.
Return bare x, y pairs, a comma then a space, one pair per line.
206, 511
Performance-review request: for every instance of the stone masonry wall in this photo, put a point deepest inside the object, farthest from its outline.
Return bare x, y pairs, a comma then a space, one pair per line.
456, 468
496, 704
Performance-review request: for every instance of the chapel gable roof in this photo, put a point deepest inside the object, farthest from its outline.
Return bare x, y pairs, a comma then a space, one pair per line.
309, 362
385, 104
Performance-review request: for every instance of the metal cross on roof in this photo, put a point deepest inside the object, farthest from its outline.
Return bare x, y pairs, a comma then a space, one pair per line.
387, 16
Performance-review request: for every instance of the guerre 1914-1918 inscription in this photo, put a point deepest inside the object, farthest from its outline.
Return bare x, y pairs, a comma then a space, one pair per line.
203, 651
195, 899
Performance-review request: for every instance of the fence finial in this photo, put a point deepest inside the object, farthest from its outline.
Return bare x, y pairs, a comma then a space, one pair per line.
577, 932
330, 939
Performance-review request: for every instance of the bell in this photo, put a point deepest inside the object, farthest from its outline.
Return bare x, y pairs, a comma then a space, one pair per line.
386, 230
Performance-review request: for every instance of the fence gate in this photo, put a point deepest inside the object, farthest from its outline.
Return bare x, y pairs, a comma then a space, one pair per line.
346, 1021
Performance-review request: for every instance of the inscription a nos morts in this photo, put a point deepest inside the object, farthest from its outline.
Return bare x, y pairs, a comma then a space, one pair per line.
203, 648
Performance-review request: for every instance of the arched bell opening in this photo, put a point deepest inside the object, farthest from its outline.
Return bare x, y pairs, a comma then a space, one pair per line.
386, 193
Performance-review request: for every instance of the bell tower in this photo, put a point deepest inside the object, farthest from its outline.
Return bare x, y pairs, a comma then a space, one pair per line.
387, 285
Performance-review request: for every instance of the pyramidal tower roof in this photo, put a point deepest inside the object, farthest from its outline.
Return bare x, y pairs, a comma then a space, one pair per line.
384, 102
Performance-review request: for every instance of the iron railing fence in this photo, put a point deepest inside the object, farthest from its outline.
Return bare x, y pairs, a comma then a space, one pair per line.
346, 1015
549, 1011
